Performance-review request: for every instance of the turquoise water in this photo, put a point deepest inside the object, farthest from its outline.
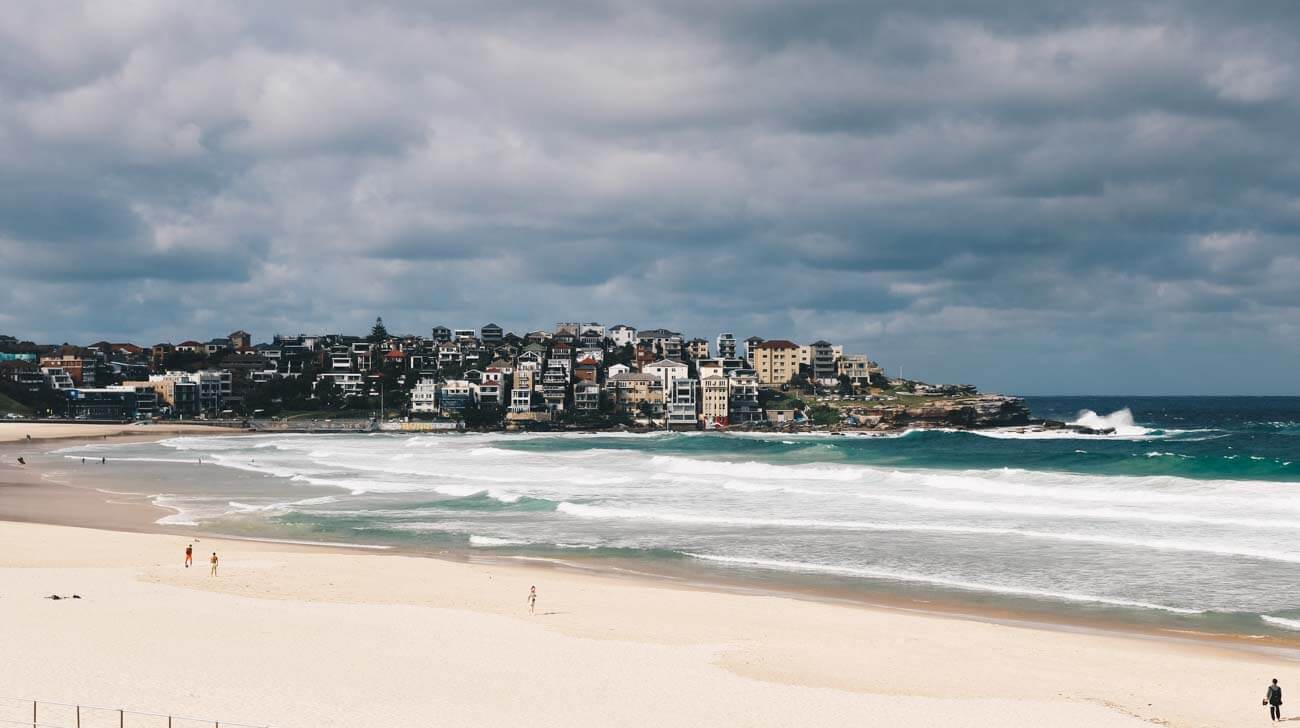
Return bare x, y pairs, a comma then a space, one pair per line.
1188, 516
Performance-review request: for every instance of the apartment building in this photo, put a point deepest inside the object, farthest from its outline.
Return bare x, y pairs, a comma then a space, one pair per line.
682, 410
715, 399
775, 362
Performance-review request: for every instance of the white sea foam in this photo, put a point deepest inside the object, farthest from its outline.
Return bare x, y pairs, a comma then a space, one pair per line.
1292, 624
491, 541
938, 581
1195, 542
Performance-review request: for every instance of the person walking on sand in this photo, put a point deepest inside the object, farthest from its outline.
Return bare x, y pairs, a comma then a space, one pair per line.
213, 561
189, 555
532, 600
1273, 699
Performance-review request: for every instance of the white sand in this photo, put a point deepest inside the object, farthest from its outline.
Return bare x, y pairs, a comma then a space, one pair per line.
18, 431
293, 636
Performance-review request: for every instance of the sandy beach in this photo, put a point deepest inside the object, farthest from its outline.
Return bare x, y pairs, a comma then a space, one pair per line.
292, 635
19, 431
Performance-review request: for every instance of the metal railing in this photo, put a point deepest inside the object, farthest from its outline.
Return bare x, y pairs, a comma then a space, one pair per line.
72, 715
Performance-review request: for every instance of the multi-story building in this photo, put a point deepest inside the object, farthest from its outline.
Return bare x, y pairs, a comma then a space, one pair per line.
776, 362
555, 385
572, 328
681, 407
726, 345
491, 387
750, 343
177, 394
666, 344
586, 398
491, 334
860, 370
58, 378
79, 368
449, 355
698, 348
454, 395
440, 334
521, 398
350, 384
822, 362
632, 389
103, 403
743, 406
424, 396
715, 400
240, 340
667, 370
622, 335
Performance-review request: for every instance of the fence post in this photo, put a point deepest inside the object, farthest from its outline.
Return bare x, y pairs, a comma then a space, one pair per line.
33, 714
78, 716
121, 718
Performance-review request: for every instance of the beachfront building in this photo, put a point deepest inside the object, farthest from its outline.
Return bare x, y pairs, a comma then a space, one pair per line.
58, 378
682, 410
424, 396
667, 370
178, 395
821, 364
750, 344
555, 385
775, 362
860, 371
586, 398
743, 406
454, 395
491, 387
104, 403
726, 345
349, 384
80, 369
631, 390
715, 396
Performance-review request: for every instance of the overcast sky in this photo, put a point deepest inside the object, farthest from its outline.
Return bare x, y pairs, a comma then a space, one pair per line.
1032, 197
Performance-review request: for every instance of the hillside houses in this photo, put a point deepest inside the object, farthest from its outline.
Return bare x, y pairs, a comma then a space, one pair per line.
581, 373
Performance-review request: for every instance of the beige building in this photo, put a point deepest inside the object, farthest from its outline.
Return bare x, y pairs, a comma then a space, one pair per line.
776, 362
715, 394
631, 389
859, 369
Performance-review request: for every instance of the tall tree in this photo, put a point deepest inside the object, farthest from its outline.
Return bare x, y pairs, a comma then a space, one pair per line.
378, 333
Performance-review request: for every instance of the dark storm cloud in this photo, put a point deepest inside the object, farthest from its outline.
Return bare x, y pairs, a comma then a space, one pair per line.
1009, 193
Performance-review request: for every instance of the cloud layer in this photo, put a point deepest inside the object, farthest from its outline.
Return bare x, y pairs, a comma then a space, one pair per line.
1043, 200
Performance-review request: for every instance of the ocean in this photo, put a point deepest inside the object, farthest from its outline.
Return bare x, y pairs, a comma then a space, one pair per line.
1187, 517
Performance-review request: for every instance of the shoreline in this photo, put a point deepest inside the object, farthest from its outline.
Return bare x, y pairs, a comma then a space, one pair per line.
58, 503
336, 635
337, 631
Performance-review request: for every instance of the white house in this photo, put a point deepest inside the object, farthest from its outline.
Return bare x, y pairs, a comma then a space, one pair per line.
622, 335
667, 370
424, 396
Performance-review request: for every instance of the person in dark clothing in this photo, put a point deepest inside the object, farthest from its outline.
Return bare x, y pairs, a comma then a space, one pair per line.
1273, 699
